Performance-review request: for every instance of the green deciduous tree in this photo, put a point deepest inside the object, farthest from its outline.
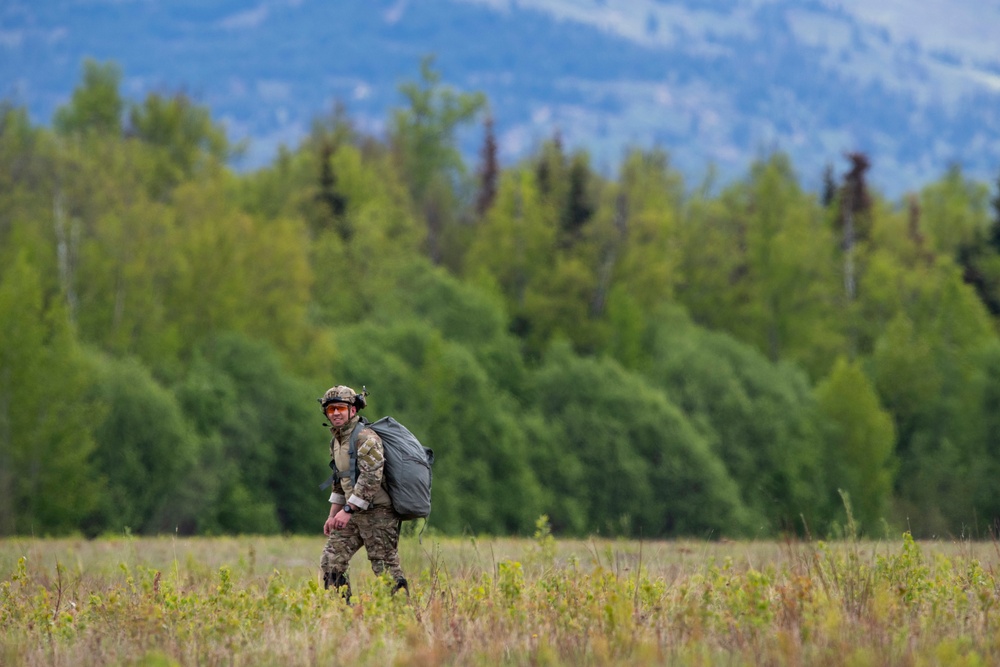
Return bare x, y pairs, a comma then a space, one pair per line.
512, 253
463, 314
759, 419
425, 141
986, 461
258, 467
96, 106
146, 452
954, 211
635, 232
764, 268
640, 467
924, 369
26, 168
350, 274
646, 216
48, 482
182, 137
235, 272
424, 134
862, 442
956, 208
120, 252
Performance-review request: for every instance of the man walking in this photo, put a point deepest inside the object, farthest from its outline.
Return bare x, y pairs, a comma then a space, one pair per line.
361, 512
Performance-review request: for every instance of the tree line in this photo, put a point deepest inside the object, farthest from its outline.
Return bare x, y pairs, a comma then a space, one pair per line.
629, 355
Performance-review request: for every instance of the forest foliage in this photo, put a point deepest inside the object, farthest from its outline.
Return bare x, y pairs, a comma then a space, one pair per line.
629, 355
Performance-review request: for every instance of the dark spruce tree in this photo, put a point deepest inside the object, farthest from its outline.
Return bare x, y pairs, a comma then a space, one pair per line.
489, 170
579, 206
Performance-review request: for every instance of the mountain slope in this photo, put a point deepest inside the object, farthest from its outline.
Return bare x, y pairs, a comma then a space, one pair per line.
711, 81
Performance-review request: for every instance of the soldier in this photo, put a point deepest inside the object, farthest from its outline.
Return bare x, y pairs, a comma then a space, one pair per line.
361, 512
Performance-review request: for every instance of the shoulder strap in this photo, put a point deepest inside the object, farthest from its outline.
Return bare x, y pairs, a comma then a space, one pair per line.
352, 448
352, 452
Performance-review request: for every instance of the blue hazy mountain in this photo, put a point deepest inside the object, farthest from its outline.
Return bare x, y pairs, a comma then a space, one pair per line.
914, 85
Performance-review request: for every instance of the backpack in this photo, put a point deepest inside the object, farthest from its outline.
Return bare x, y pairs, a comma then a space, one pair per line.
407, 467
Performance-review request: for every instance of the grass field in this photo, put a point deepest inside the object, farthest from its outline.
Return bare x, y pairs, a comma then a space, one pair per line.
258, 601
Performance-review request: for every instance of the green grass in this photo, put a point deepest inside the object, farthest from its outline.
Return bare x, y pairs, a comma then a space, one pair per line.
258, 601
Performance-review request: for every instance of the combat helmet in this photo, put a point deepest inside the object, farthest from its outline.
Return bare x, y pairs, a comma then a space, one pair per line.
344, 394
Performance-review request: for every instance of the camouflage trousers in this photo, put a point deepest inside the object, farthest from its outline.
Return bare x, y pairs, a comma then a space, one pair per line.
377, 530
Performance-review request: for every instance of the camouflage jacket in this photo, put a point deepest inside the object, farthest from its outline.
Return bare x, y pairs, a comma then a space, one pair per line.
369, 490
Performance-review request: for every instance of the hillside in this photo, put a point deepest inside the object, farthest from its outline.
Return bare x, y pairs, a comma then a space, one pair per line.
712, 81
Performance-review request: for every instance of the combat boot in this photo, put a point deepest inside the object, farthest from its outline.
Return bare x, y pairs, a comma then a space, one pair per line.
338, 581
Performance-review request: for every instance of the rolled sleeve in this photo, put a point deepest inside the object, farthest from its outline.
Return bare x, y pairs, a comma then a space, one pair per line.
360, 503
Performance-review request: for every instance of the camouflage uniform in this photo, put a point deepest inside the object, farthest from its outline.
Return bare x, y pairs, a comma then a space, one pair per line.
374, 524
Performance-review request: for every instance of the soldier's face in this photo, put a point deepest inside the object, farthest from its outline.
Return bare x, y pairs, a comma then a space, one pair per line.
339, 413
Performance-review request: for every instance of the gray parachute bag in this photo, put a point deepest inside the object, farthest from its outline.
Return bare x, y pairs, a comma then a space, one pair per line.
407, 467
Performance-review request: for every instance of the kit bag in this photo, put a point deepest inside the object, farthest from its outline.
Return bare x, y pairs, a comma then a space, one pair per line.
407, 469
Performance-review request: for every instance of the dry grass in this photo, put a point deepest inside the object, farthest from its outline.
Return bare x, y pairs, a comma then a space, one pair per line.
257, 601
